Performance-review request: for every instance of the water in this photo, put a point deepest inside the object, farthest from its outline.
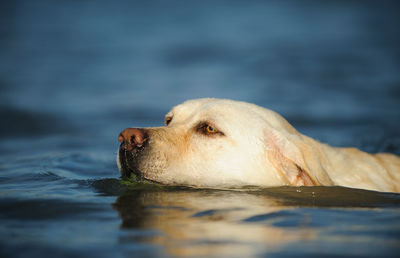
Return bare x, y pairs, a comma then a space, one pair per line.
74, 74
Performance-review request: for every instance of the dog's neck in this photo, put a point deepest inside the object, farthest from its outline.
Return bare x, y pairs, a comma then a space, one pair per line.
351, 167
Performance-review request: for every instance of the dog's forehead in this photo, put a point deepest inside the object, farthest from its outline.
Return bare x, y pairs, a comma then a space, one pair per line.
224, 114
229, 112
207, 108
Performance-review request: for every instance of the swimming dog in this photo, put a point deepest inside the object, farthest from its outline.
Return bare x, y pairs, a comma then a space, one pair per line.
218, 143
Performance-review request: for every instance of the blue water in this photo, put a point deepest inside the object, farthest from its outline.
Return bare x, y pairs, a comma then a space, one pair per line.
73, 74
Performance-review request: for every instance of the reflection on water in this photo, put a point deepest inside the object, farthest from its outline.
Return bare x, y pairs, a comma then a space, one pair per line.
200, 223
236, 223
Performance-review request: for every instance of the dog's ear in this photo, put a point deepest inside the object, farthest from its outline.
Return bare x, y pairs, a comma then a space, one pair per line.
286, 157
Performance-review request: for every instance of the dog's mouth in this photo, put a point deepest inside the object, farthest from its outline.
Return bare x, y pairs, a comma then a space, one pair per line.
129, 163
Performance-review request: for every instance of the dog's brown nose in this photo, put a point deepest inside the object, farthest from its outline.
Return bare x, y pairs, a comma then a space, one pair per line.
133, 138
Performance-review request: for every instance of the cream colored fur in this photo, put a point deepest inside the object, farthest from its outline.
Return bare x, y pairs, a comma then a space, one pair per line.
256, 147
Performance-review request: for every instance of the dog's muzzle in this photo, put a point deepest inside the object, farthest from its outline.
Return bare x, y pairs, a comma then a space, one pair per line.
133, 142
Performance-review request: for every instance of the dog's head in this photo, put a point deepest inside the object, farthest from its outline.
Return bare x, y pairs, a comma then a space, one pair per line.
216, 143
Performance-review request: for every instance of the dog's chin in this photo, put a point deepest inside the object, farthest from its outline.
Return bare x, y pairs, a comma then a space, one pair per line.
129, 164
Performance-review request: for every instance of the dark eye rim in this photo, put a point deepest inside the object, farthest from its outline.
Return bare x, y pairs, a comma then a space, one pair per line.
202, 128
168, 120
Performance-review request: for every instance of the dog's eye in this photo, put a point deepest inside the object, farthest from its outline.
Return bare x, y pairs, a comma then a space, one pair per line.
168, 120
210, 129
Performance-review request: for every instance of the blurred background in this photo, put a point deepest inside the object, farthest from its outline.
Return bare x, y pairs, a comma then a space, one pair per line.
92, 68
74, 73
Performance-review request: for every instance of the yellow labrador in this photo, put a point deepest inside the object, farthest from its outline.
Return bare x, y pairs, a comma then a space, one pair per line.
224, 143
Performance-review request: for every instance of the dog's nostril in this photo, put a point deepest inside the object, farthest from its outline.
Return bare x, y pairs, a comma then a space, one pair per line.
132, 141
133, 137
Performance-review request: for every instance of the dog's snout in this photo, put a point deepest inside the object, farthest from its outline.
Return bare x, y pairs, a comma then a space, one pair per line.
132, 138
